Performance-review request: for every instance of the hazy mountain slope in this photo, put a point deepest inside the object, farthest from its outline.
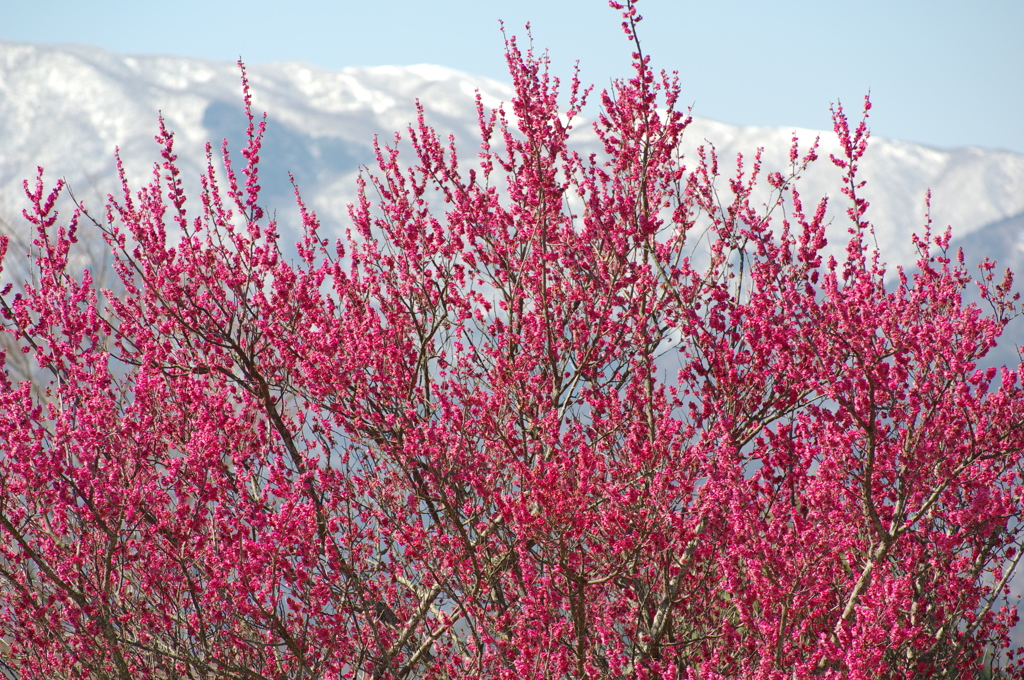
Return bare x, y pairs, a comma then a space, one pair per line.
1003, 242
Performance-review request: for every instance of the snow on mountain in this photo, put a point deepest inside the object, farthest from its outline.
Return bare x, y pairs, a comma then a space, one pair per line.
970, 187
67, 107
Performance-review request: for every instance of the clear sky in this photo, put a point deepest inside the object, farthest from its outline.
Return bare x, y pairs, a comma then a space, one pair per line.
941, 72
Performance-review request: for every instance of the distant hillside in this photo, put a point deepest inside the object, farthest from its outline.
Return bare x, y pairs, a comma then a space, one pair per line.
66, 108
1003, 242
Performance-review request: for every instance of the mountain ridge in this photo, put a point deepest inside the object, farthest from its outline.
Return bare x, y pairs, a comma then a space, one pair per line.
67, 108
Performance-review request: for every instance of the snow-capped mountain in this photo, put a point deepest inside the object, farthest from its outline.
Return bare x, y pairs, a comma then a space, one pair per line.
66, 108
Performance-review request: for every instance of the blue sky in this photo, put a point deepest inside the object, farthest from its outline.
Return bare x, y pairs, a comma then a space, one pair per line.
941, 73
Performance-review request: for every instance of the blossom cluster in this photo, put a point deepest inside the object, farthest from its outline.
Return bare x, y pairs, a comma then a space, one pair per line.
543, 416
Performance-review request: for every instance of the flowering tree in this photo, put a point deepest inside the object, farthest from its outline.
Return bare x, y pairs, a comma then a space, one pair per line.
509, 427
